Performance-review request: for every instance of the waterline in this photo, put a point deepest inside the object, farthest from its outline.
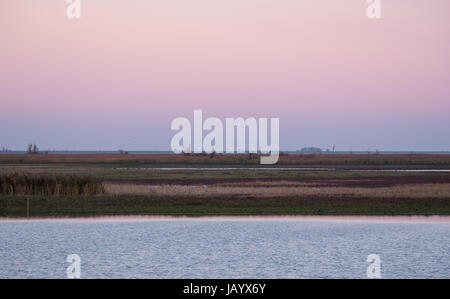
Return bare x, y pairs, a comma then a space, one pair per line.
370, 219
278, 168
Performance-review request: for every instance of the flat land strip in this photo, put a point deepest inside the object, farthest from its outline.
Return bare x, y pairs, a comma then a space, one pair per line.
195, 185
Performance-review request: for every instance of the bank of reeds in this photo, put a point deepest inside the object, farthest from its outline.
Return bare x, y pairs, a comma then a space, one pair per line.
49, 185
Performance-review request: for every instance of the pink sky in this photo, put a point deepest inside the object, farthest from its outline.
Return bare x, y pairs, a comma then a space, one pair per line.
119, 75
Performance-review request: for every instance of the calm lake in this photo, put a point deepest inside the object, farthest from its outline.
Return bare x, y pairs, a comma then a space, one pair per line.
224, 248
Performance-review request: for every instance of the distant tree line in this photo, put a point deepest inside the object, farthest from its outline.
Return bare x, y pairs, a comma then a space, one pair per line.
32, 149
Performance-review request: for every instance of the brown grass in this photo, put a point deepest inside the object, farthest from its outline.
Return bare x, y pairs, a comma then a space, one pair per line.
302, 190
49, 185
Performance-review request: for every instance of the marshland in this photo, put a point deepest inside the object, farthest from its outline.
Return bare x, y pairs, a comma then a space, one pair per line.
72, 185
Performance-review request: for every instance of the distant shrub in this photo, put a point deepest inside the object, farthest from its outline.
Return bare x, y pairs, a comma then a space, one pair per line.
32, 149
49, 185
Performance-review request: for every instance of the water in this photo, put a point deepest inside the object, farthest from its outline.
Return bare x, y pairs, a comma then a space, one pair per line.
223, 248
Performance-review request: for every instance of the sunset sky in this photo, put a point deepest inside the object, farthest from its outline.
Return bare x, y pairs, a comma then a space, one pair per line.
118, 76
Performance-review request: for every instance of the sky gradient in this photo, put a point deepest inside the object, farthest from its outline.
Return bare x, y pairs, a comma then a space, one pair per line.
117, 77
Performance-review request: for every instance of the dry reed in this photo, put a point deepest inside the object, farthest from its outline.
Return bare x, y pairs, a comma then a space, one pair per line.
400, 191
49, 185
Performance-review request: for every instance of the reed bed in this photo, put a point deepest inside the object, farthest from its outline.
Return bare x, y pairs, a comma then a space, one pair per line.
49, 185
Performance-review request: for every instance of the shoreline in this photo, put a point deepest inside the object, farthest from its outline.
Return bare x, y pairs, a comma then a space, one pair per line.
144, 218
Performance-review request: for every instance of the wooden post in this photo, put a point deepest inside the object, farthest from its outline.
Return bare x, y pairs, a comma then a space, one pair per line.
28, 208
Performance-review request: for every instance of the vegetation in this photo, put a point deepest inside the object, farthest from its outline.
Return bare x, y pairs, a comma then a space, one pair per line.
242, 160
32, 149
113, 184
284, 190
49, 185
54, 206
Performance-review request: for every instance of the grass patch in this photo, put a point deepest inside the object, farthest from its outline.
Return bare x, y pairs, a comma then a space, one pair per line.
105, 205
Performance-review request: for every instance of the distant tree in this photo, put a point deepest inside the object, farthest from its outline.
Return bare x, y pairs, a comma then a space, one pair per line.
122, 152
30, 148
